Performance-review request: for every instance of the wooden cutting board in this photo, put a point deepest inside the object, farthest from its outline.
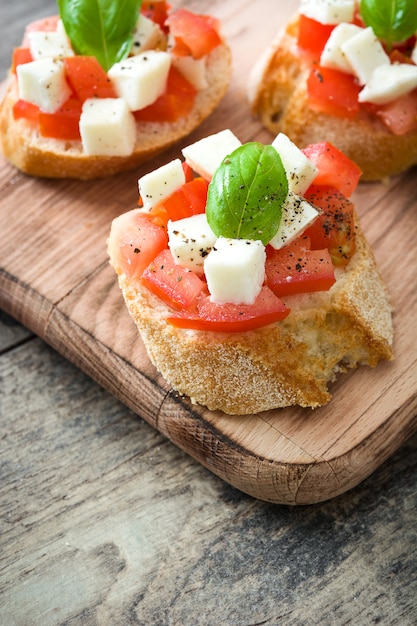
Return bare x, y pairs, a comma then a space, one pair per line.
55, 279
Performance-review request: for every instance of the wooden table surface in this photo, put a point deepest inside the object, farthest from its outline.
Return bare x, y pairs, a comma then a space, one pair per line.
105, 522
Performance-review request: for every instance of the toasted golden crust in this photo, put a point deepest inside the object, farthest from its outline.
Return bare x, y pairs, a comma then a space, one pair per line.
23, 146
278, 96
287, 363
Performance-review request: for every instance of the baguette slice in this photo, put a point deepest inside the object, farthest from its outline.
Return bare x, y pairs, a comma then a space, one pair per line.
277, 94
287, 363
33, 154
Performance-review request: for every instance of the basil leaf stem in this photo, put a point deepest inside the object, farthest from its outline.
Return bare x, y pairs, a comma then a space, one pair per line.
246, 194
393, 21
100, 28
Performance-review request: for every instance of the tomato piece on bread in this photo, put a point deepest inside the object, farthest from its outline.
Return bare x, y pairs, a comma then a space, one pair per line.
232, 318
313, 35
64, 123
334, 229
335, 168
87, 78
194, 34
173, 284
333, 92
134, 242
297, 269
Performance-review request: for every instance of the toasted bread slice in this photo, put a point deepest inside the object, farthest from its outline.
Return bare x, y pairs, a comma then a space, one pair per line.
277, 94
286, 363
27, 150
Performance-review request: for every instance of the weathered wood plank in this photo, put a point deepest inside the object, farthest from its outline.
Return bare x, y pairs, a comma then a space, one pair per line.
104, 521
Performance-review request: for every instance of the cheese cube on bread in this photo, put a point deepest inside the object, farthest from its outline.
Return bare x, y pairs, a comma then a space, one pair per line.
146, 36
297, 215
194, 70
53, 45
389, 82
299, 169
43, 83
107, 127
364, 53
327, 12
161, 183
190, 241
205, 155
141, 79
333, 55
235, 270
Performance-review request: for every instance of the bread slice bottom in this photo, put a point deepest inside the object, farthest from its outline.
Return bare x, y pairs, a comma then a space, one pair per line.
33, 154
287, 363
277, 94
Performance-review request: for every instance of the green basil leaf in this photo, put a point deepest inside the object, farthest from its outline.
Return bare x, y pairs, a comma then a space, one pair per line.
391, 20
100, 28
246, 194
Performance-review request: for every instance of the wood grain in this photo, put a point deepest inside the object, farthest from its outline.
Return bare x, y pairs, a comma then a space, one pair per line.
55, 279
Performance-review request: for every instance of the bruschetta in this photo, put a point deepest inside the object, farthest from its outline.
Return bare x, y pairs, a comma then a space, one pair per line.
248, 276
75, 109
329, 76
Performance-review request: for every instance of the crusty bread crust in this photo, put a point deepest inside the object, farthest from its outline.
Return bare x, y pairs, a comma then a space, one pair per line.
278, 96
286, 363
23, 146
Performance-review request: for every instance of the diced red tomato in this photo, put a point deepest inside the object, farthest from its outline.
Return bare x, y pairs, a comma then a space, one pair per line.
194, 34
195, 192
155, 11
335, 168
400, 116
334, 229
47, 24
333, 92
189, 200
25, 110
230, 318
64, 123
296, 269
20, 56
312, 35
87, 78
175, 285
135, 241
188, 171
177, 101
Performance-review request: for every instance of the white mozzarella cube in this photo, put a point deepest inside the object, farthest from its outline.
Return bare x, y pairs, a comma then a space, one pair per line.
235, 270
60, 28
328, 11
141, 79
333, 55
364, 53
161, 183
190, 241
299, 169
43, 83
389, 82
146, 35
194, 70
205, 156
107, 127
49, 45
297, 215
